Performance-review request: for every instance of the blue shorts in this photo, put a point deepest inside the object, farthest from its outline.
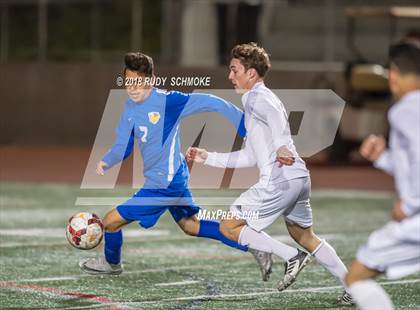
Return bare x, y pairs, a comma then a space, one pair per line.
147, 205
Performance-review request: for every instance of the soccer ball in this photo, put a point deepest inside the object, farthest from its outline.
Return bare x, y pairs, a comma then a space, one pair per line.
84, 230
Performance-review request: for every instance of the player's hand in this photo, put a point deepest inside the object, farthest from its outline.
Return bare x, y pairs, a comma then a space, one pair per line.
285, 156
372, 147
195, 154
100, 168
397, 213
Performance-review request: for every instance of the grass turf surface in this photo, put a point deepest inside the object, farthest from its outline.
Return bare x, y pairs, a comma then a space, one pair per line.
165, 269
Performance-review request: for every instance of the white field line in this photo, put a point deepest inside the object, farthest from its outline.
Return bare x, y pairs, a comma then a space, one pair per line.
60, 232
80, 276
177, 283
65, 278
265, 293
5, 245
226, 201
152, 270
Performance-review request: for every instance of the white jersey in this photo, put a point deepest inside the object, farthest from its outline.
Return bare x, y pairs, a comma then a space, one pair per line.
268, 129
402, 159
394, 249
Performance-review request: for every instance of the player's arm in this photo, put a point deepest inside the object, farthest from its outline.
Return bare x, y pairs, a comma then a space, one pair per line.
200, 103
373, 148
240, 159
123, 145
407, 164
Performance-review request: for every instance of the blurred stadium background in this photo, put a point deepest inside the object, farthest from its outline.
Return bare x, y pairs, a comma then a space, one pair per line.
58, 61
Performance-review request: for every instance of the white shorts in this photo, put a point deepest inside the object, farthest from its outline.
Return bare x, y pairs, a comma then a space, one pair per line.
394, 249
261, 206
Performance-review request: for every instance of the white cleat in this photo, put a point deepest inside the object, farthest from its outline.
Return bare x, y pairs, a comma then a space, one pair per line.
292, 268
265, 262
98, 266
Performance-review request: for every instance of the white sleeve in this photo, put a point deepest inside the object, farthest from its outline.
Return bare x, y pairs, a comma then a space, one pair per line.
273, 114
384, 162
239, 159
408, 178
279, 127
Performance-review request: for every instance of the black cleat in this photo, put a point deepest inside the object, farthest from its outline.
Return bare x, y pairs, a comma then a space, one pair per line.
345, 299
292, 268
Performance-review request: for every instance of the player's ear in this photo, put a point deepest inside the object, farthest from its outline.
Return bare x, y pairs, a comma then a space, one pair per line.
252, 73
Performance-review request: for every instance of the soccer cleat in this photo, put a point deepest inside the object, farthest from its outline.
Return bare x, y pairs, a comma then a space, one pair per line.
292, 268
265, 262
345, 299
98, 266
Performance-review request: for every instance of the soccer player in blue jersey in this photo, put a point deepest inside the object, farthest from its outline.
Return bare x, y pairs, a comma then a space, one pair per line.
153, 117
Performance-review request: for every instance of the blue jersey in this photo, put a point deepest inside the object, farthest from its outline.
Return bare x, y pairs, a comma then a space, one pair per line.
155, 124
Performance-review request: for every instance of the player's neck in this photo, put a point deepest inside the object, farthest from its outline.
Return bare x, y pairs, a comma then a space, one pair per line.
252, 84
413, 85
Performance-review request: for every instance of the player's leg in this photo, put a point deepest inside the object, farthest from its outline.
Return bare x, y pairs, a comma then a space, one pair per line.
299, 224
186, 218
184, 214
211, 229
190, 225
260, 206
260, 244
367, 293
323, 252
238, 230
136, 208
113, 238
305, 237
255, 210
393, 250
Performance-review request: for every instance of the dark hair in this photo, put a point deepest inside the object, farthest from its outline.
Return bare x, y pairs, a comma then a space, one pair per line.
139, 62
252, 56
406, 57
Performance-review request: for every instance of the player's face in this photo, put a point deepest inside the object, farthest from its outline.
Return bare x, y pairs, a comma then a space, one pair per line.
239, 77
136, 87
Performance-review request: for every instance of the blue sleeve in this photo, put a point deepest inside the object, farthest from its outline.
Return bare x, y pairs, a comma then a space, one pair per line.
200, 103
124, 141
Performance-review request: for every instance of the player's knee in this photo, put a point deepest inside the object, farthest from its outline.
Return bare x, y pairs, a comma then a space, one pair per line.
110, 227
111, 224
189, 226
189, 231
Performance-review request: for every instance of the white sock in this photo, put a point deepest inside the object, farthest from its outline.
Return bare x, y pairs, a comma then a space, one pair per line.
263, 242
327, 257
369, 295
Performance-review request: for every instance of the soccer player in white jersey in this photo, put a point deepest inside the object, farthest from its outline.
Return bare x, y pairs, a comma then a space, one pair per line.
284, 183
395, 248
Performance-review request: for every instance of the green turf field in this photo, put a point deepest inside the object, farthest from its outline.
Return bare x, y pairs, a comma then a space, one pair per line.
165, 269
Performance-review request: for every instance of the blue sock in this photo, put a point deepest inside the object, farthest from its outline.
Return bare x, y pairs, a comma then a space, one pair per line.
113, 245
210, 229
